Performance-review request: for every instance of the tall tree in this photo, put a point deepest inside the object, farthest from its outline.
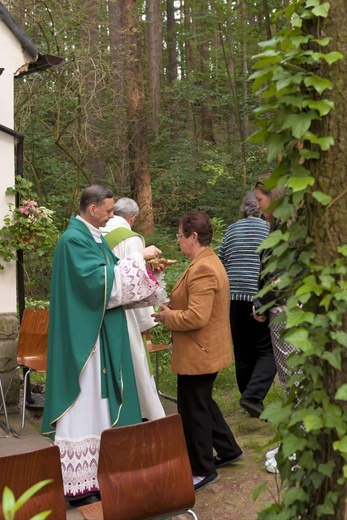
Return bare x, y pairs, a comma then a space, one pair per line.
154, 59
140, 176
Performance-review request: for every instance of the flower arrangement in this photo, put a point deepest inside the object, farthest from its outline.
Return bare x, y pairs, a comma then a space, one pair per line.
29, 227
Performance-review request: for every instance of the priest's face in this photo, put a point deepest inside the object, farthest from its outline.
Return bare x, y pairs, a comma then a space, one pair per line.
100, 214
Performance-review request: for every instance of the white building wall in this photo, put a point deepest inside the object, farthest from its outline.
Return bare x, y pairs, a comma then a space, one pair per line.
11, 59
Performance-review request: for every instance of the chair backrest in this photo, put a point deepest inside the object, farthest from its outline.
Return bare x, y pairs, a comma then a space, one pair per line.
33, 339
21, 471
144, 470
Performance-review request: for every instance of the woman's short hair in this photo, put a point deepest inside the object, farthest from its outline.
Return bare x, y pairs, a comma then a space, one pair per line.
200, 222
249, 205
94, 194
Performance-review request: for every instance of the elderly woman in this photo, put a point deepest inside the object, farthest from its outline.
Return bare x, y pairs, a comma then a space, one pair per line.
199, 321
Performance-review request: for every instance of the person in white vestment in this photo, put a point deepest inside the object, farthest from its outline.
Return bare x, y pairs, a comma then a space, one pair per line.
139, 320
83, 398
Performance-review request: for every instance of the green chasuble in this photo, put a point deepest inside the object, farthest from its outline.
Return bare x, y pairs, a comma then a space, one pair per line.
82, 279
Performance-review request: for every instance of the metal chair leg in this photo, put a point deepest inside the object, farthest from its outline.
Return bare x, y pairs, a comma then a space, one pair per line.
165, 396
5, 425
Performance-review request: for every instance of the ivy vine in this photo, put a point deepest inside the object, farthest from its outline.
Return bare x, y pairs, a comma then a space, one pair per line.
312, 423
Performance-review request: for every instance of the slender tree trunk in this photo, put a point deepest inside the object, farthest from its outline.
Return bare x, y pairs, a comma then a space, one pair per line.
171, 41
154, 59
117, 57
137, 120
91, 86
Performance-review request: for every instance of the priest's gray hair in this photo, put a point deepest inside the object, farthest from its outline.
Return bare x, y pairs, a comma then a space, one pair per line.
94, 194
126, 208
249, 205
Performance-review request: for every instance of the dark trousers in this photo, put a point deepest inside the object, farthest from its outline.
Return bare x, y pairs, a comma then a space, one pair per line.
204, 425
254, 358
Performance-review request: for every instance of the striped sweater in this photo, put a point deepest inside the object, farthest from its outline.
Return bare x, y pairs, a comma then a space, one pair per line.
238, 253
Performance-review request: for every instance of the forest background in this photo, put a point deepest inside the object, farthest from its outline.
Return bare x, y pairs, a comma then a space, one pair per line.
153, 100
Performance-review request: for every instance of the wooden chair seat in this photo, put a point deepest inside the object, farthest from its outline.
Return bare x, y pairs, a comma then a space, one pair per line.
144, 473
21, 471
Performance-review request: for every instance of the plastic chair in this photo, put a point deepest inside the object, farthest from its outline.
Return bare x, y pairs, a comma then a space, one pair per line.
156, 349
31, 351
21, 471
144, 473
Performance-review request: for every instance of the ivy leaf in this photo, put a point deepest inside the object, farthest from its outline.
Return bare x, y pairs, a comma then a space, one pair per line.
273, 239
312, 3
299, 123
341, 337
276, 144
321, 10
324, 106
333, 358
341, 394
297, 317
341, 445
312, 422
323, 198
300, 183
331, 57
299, 339
318, 83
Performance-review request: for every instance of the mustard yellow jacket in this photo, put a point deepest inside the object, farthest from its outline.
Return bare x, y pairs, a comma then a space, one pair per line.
199, 319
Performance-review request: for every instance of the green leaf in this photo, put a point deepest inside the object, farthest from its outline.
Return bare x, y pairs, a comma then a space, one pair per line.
300, 183
297, 317
318, 83
340, 336
321, 10
323, 198
312, 422
276, 143
299, 123
299, 338
333, 358
30, 492
331, 57
341, 394
312, 3
273, 239
323, 106
341, 445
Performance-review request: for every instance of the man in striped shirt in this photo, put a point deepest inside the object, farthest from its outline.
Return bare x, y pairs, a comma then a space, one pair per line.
254, 359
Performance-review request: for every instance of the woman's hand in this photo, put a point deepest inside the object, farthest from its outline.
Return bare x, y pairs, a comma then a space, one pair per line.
159, 317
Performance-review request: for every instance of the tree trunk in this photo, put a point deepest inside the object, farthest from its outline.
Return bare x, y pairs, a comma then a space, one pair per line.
137, 121
154, 59
117, 65
171, 41
327, 225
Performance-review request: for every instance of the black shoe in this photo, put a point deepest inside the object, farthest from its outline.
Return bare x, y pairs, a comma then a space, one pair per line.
85, 501
254, 409
219, 462
207, 480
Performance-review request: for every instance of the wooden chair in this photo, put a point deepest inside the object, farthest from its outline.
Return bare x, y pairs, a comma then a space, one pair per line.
31, 351
21, 471
156, 349
144, 473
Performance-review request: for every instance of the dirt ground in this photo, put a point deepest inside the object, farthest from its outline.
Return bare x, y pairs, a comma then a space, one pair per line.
231, 498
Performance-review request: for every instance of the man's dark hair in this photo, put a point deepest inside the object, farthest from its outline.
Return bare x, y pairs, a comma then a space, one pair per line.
94, 194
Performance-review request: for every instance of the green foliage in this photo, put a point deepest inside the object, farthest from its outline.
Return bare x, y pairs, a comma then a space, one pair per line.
29, 227
312, 423
10, 505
